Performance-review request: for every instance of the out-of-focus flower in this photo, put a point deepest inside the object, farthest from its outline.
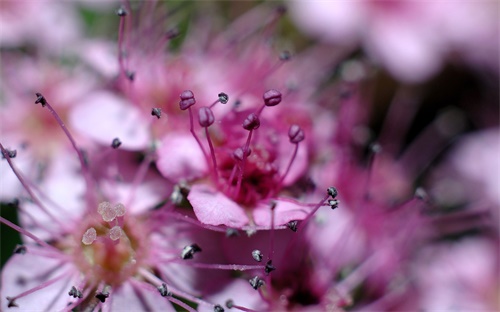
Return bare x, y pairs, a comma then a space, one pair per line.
411, 39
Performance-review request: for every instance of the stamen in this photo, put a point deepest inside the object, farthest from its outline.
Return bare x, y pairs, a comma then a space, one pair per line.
107, 211
189, 251
116, 143
296, 135
75, 293
223, 98
272, 97
115, 232
121, 11
231, 232
218, 308
102, 296
163, 290
334, 203
257, 255
332, 192
292, 225
269, 267
230, 304
206, 119
251, 123
9, 153
188, 100
25, 232
20, 249
156, 112
256, 282
89, 236
375, 148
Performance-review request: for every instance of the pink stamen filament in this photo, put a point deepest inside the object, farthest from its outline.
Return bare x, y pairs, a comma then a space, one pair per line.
121, 29
233, 267
191, 128
290, 163
190, 220
310, 215
212, 153
242, 166
138, 178
28, 189
234, 306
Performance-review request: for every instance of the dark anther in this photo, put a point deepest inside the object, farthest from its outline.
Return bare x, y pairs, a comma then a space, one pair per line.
121, 12
257, 255
40, 99
333, 203
272, 97
11, 303
75, 293
256, 282
229, 304
237, 103
375, 148
223, 98
102, 296
269, 267
218, 308
292, 225
172, 33
156, 112
130, 75
205, 117
332, 192
252, 122
296, 134
281, 9
20, 249
189, 251
230, 232
239, 154
163, 290
421, 194
9, 153
116, 143
285, 55
187, 100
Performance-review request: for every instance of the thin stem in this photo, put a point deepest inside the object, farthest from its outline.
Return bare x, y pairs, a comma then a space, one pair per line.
242, 168
191, 128
290, 163
212, 152
210, 266
26, 233
41, 286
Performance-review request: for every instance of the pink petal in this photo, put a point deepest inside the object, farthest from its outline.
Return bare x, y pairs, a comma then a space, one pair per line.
138, 298
180, 158
104, 116
284, 212
214, 208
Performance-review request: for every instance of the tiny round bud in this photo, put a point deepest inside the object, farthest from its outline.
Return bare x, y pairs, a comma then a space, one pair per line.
257, 255
205, 117
332, 192
116, 143
252, 122
239, 153
223, 98
296, 134
187, 100
272, 97
156, 112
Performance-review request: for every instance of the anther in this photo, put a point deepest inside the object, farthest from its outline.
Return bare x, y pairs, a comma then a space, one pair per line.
102, 296
9, 153
257, 255
11, 303
20, 249
89, 236
375, 148
334, 203
218, 308
256, 282
239, 153
107, 212
172, 33
421, 194
121, 12
332, 192
296, 134
292, 225
189, 251
272, 97
231, 232
40, 99
75, 293
252, 122
119, 209
229, 304
223, 98
130, 75
115, 232
156, 112
269, 267
163, 290
187, 100
285, 55
116, 143
205, 117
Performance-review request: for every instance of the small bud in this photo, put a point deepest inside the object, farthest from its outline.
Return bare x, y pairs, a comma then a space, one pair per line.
116, 143
239, 154
229, 304
332, 192
285, 55
272, 97
163, 290
223, 98
334, 203
296, 134
20, 249
292, 225
102, 296
218, 308
189, 251
205, 117
257, 255
256, 282
252, 122
75, 293
156, 112
40, 99
230, 232
269, 267
187, 100
121, 12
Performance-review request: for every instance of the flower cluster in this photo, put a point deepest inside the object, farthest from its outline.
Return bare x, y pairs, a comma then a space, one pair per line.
212, 162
